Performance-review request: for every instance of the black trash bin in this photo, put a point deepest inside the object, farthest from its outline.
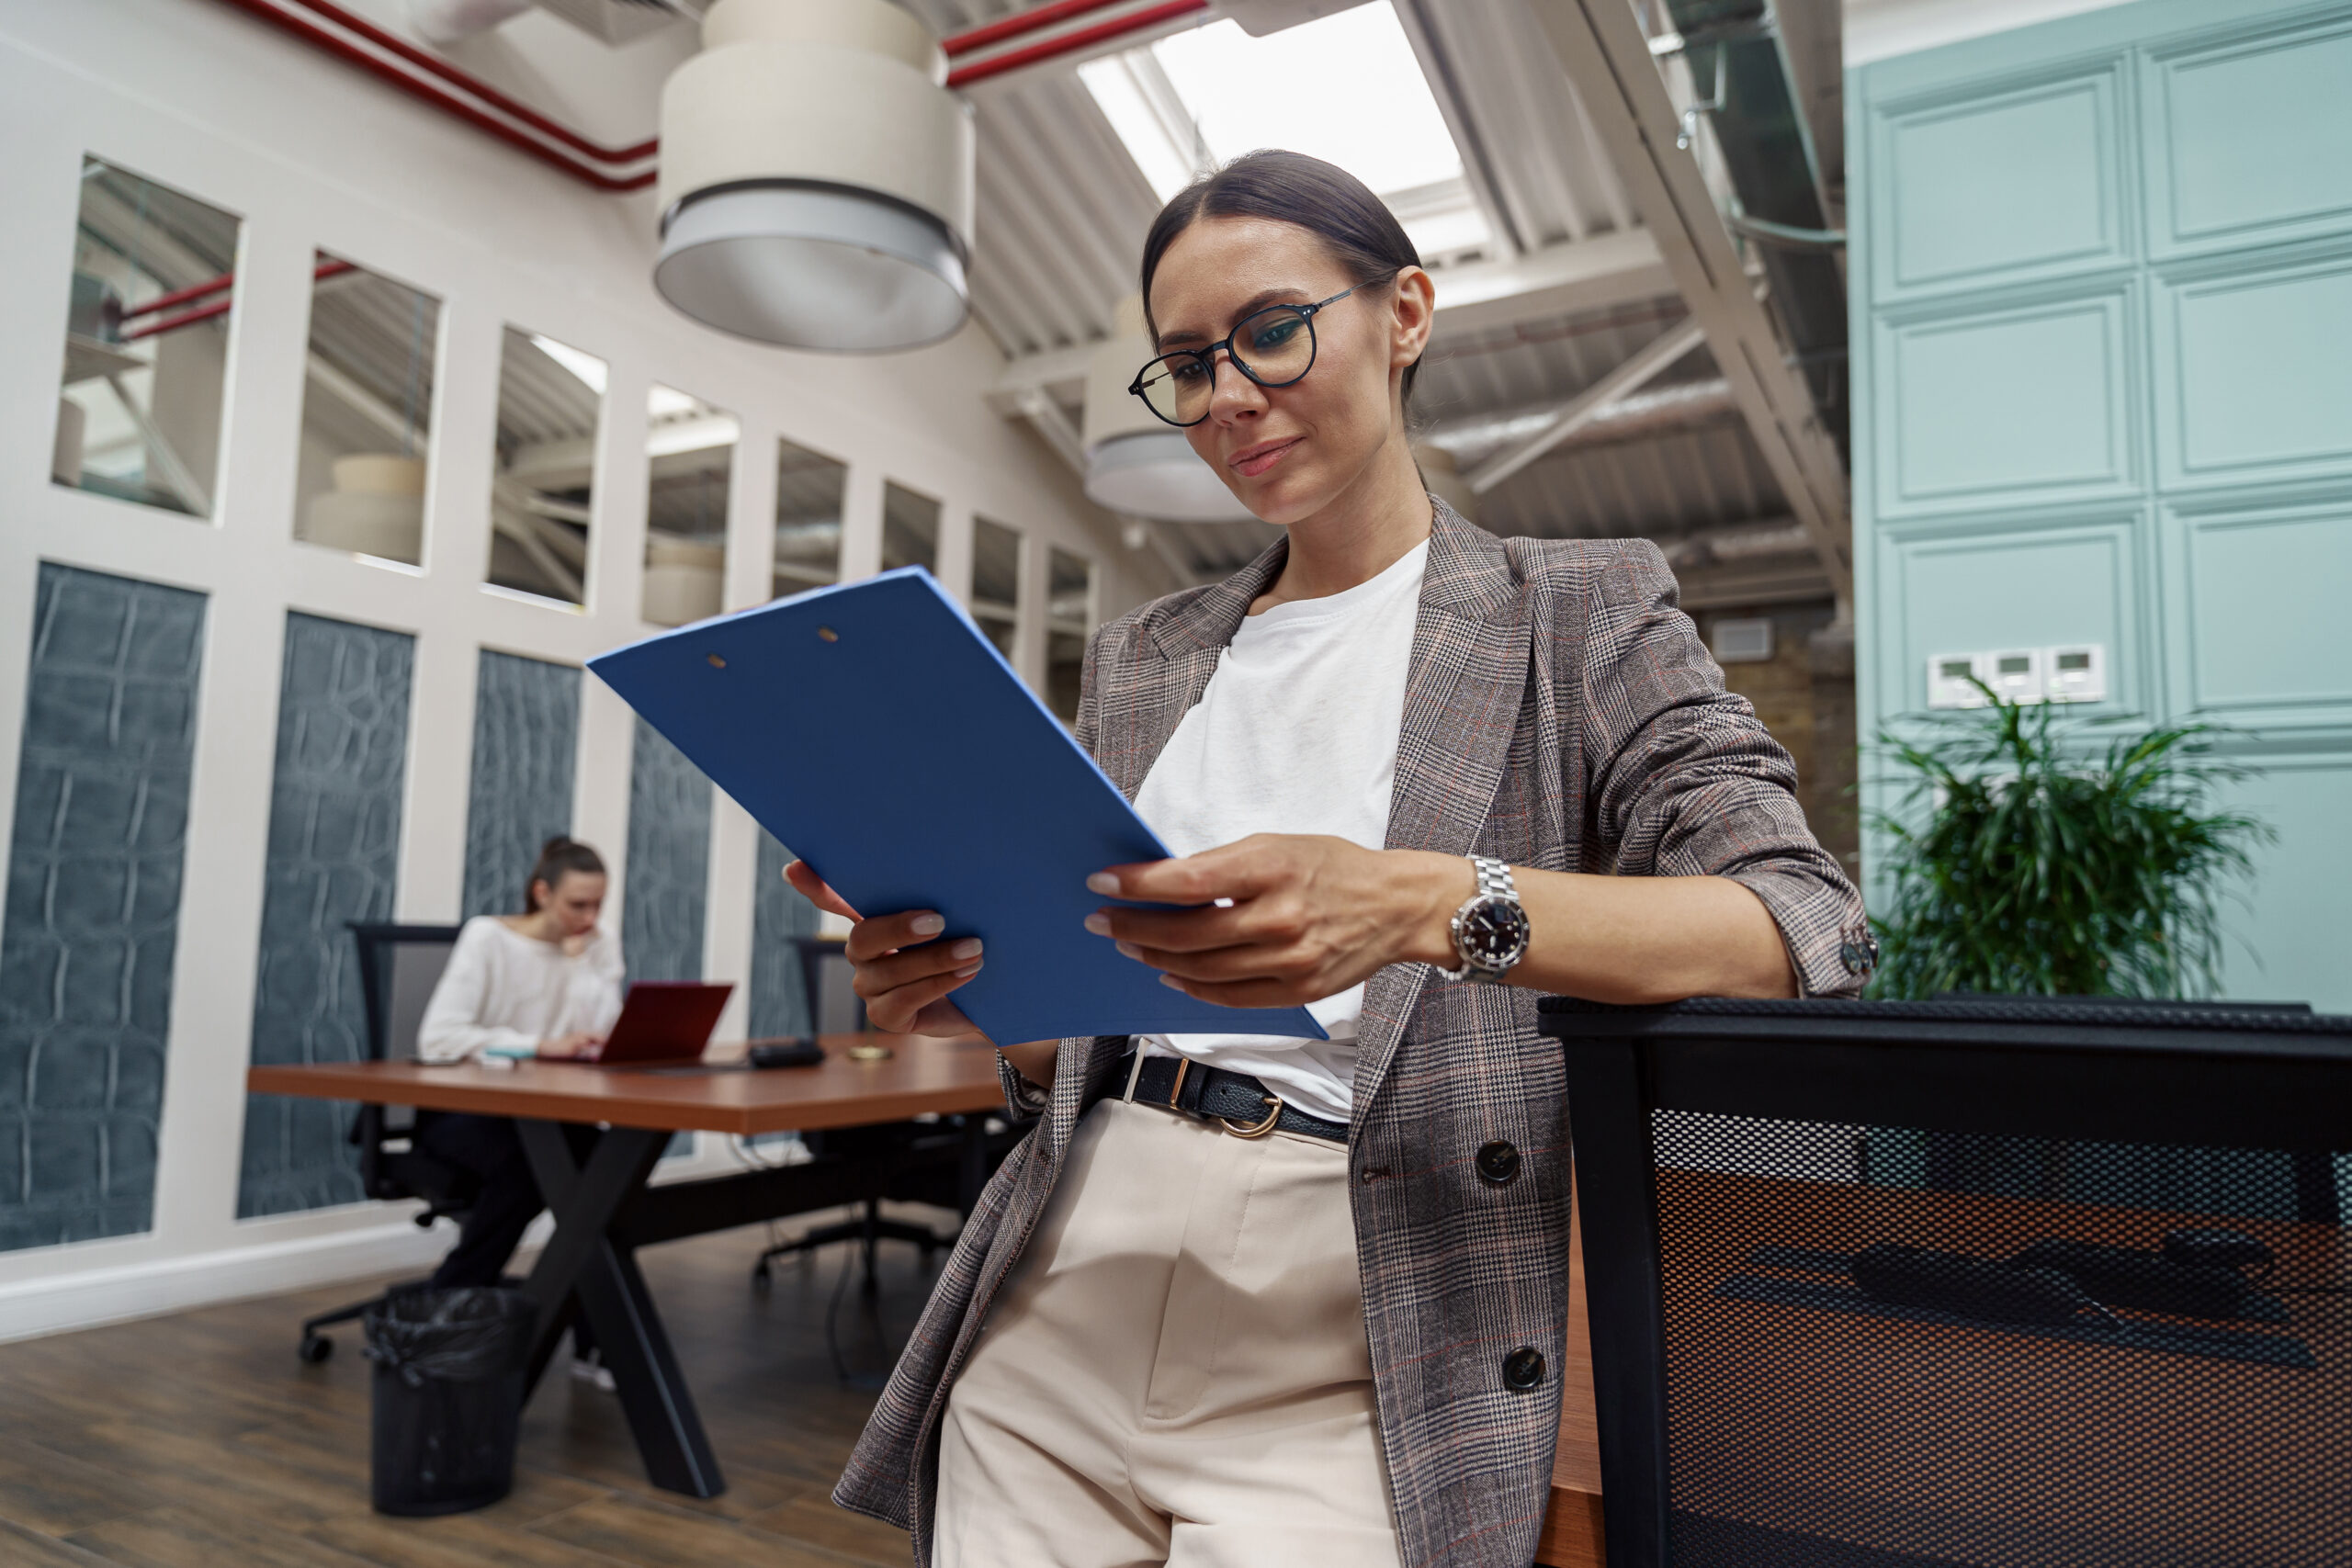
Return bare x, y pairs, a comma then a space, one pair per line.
448, 1396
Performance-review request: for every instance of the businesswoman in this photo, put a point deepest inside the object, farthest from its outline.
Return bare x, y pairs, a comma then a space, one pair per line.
543, 983
1257, 1303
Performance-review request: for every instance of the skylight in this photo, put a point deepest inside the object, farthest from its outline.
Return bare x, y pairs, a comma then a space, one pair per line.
1346, 89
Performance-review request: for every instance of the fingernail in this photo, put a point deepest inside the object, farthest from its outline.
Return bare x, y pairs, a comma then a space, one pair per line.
1131, 950
967, 972
968, 948
1099, 924
929, 925
1172, 983
1105, 884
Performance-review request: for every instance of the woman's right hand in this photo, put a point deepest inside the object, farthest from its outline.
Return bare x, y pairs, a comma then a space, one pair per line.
903, 979
570, 1047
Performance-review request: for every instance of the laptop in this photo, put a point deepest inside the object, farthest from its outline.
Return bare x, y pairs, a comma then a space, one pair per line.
663, 1020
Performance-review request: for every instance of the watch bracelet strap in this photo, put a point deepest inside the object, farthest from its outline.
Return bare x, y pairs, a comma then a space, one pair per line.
1494, 882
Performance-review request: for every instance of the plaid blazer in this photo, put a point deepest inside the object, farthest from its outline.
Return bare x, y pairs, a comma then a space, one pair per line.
1561, 714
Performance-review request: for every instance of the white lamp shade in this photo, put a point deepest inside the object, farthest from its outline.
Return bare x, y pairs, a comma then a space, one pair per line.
1136, 463
1156, 474
817, 178
843, 272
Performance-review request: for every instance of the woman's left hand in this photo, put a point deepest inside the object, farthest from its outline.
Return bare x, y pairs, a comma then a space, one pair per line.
1310, 916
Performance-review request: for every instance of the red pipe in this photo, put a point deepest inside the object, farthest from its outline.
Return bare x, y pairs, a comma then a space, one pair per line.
1031, 20
335, 44
1070, 42
1020, 22
320, 273
427, 59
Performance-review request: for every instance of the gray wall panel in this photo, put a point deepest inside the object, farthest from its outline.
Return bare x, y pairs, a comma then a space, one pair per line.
526, 733
668, 861
92, 903
334, 830
779, 995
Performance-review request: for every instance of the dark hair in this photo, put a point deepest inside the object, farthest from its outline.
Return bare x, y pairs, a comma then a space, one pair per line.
556, 856
1324, 199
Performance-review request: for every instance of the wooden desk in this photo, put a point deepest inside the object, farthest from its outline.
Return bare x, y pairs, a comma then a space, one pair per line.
605, 1212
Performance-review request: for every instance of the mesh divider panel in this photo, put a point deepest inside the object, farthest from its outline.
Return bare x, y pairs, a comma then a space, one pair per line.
2074, 1408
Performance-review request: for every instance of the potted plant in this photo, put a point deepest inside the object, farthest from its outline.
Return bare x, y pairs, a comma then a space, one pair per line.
2024, 861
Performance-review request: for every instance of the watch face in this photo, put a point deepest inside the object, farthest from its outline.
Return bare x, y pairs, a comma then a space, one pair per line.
1493, 933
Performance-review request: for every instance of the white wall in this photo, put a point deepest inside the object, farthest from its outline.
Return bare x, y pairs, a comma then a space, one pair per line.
313, 155
1877, 29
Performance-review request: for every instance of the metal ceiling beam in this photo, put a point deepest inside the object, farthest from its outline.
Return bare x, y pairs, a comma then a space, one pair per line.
1560, 280
1637, 371
1600, 47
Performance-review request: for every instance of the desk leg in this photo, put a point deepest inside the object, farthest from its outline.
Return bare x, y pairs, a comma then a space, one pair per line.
581, 1258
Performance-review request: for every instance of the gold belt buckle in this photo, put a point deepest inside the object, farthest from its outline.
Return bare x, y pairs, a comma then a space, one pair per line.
1262, 1128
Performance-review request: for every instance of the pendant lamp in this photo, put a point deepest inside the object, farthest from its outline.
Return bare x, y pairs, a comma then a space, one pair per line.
817, 179
1136, 463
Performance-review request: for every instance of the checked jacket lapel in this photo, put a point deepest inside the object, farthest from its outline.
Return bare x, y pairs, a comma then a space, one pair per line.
1462, 706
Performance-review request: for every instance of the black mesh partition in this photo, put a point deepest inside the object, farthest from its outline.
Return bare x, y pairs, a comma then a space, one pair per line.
1981, 1284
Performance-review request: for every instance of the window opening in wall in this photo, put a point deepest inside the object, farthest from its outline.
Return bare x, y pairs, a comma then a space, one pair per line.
690, 457
1070, 617
996, 581
146, 343
550, 397
910, 529
367, 413
808, 487
1350, 91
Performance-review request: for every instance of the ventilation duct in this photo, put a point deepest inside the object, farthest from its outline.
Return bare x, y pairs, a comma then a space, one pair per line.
1137, 463
817, 178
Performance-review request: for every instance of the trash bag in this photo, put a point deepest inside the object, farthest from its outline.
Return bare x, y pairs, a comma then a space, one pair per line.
447, 1396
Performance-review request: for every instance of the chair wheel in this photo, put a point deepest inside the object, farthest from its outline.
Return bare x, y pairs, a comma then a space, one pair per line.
315, 1347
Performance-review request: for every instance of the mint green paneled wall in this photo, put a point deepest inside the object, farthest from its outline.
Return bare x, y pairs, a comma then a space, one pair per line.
2102, 280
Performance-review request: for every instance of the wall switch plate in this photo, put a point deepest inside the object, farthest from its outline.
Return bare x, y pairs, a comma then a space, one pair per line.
1948, 679
2075, 673
2016, 674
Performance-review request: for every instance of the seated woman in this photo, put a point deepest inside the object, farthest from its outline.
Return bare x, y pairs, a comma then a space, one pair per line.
548, 982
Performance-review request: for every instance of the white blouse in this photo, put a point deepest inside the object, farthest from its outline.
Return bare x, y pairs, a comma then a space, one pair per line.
1296, 733
504, 988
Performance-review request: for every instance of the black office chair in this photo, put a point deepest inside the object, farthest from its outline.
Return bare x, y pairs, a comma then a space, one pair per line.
1819, 1342
398, 967
917, 1150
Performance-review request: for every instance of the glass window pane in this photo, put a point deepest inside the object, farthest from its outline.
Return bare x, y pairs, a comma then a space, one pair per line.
551, 397
1070, 608
996, 581
910, 529
808, 487
146, 344
690, 456
367, 412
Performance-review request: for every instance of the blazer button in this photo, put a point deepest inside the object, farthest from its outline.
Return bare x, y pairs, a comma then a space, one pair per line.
1499, 1163
1524, 1368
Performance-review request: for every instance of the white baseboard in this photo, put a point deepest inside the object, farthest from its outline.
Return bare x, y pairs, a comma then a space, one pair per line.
117, 1295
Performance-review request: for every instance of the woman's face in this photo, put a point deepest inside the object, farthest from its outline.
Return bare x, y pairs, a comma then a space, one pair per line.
574, 902
1287, 453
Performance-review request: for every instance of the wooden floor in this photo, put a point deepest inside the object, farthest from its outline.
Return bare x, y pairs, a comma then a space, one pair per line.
200, 1440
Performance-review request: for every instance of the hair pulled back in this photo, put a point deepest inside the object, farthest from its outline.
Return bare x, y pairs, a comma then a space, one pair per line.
1338, 209
556, 856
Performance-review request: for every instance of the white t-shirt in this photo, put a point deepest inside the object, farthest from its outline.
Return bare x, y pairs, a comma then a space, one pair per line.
504, 988
1296, 733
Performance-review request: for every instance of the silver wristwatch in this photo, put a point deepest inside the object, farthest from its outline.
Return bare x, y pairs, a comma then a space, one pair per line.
1490, 930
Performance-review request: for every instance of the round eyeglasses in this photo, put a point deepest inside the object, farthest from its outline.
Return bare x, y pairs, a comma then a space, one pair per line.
1273, 347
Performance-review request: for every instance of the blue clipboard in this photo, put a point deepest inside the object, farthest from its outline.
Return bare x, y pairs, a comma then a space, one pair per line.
877, 732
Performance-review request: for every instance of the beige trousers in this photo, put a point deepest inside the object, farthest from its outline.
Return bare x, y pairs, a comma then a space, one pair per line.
1176, 1371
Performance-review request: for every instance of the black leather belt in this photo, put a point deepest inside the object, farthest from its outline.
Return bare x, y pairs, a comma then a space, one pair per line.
1240, 1102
